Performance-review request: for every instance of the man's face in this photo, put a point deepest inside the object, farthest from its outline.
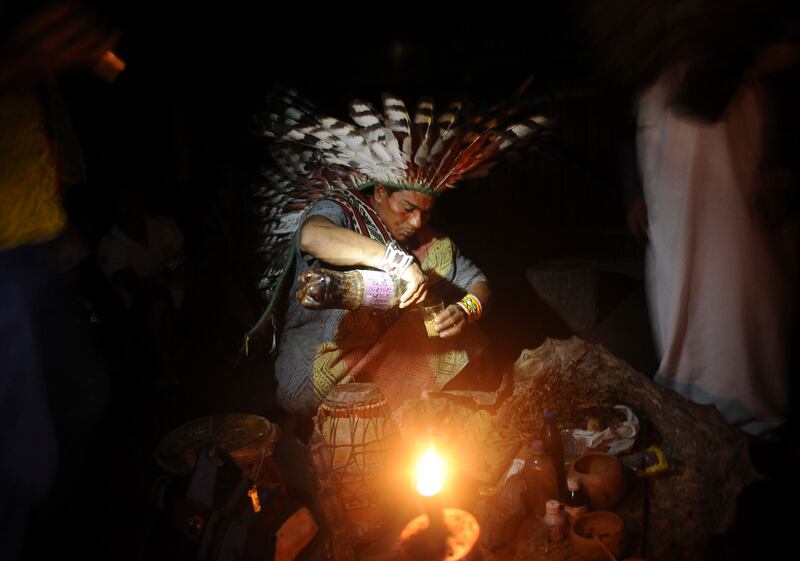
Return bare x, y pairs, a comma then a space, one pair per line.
403, 212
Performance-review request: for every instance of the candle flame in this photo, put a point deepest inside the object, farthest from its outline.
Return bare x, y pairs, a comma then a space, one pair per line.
430, 473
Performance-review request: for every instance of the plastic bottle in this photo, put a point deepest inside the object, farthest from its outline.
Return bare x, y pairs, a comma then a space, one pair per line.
576, 501
320, 289
555, 521
554, 447
540, 478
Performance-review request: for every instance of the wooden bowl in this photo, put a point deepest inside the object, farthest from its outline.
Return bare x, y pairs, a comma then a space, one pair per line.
607, 526
603, 478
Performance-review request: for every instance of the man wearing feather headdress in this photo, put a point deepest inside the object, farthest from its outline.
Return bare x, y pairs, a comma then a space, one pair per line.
388, 345
360, 197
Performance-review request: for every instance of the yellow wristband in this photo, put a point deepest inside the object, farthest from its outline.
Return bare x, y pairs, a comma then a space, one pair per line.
471, 306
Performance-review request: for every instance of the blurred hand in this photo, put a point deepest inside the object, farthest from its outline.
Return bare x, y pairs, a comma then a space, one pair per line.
450, 321
416, 286
59, 36
637, 220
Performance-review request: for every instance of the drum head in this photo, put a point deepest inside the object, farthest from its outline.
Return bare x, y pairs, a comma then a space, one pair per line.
239, 434
348, 395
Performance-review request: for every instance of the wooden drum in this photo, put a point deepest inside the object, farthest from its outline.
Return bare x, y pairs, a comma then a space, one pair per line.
361, 435
250, 440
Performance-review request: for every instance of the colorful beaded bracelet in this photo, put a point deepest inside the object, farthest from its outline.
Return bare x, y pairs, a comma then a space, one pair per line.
471, 306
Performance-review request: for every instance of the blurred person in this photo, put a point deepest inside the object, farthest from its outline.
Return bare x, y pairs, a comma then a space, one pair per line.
142, 256
41, 351
95, 297
720, 284
718, 291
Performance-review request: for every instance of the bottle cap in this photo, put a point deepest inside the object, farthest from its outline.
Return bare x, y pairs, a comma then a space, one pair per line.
549, 414
573, 483
552, 506
537, 446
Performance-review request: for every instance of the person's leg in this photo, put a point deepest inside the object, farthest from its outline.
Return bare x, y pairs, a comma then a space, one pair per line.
78, 395
28, 455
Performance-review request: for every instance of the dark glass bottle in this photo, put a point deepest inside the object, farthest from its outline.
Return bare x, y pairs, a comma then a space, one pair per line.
576, 501
554, 447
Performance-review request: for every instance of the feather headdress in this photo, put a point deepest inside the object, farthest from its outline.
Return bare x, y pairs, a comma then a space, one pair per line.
425, 151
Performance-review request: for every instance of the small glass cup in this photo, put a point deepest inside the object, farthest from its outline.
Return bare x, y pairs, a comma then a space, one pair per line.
430, 308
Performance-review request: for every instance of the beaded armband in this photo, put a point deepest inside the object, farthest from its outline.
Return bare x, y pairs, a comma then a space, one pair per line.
471, 306
395, 261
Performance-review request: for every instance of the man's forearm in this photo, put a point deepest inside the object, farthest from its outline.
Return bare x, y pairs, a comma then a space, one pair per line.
482, 291
337, 245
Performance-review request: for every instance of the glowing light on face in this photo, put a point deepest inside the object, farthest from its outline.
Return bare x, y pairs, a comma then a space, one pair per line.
430, 473
403, 212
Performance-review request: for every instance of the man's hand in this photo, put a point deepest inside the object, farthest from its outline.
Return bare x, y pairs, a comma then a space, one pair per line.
416, 286
450, 321
60, 36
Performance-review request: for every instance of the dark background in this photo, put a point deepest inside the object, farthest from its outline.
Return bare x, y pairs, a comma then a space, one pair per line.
179, 119
196, 76
178, 126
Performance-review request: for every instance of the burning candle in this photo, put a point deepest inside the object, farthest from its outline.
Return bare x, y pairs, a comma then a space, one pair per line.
440, 534
430, 473
430, 476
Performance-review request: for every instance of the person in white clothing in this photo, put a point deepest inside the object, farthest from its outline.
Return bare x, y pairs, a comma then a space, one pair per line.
719, 289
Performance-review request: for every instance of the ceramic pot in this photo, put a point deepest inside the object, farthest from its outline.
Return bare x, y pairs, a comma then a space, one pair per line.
602, 476
609, 529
